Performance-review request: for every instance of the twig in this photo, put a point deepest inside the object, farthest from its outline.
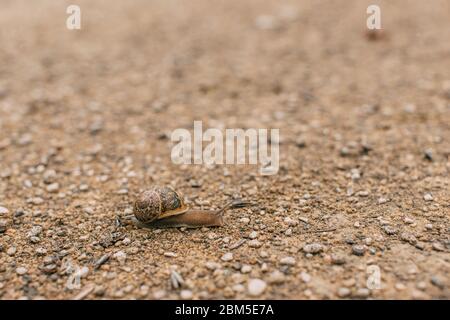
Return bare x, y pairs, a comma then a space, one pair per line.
101, 261
322, 230
237, 244
84, 293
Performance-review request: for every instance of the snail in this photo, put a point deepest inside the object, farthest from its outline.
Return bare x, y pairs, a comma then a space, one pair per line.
163, 207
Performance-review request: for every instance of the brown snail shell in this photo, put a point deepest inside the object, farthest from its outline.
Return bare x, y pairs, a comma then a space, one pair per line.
158, 203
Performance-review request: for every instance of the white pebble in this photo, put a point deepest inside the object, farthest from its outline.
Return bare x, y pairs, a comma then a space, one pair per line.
54, 187
170, 254
290, 222
11, 251
254, 243
256, 287
343, 292
227, 257
305, 277
246, 268
211, 265
3, 211
289, 261
313, 248
186, 294
428, 197
253, 235
21, 270
120, 256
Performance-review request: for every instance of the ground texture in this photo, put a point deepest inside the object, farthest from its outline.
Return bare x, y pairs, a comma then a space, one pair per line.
364, 119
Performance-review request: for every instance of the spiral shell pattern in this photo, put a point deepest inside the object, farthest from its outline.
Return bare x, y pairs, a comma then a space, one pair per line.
158, 203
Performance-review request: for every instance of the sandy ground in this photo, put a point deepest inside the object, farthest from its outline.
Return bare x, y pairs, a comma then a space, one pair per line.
85, 123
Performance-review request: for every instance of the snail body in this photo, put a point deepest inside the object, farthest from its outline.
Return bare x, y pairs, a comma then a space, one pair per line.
163, 207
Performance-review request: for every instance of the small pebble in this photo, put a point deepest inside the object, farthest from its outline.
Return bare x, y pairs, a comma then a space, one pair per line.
3, 211
362, 293
211, 265
254, 244
11, 251
438, 246
34, 231
244, 220
36, 201
428, 197
120, 256
313, 248
246, 269
390, 230
358, 250
3, 225
253, 235
305, 277
53, 188
256, 287
227, 257
238, 288
400, 286
170, 254
276, 277
41, 251
338, 259
84, 187
422, 285
408, 220
438, 282
21, 270
408, 237
343, 292
290, 222
186, 294
288, 261
159, 294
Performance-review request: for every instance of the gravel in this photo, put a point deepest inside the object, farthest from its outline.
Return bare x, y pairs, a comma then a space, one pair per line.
227, 257
120, 256
186, 294
276, 277
3, 211
289, 261
254, 244
256, 287
305, 277
359, 250
11, 251
343, 292
3, 225
21, 270
53, 188
313, 248
390, 230
438, 246
362, 293
246, 269
253, 235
